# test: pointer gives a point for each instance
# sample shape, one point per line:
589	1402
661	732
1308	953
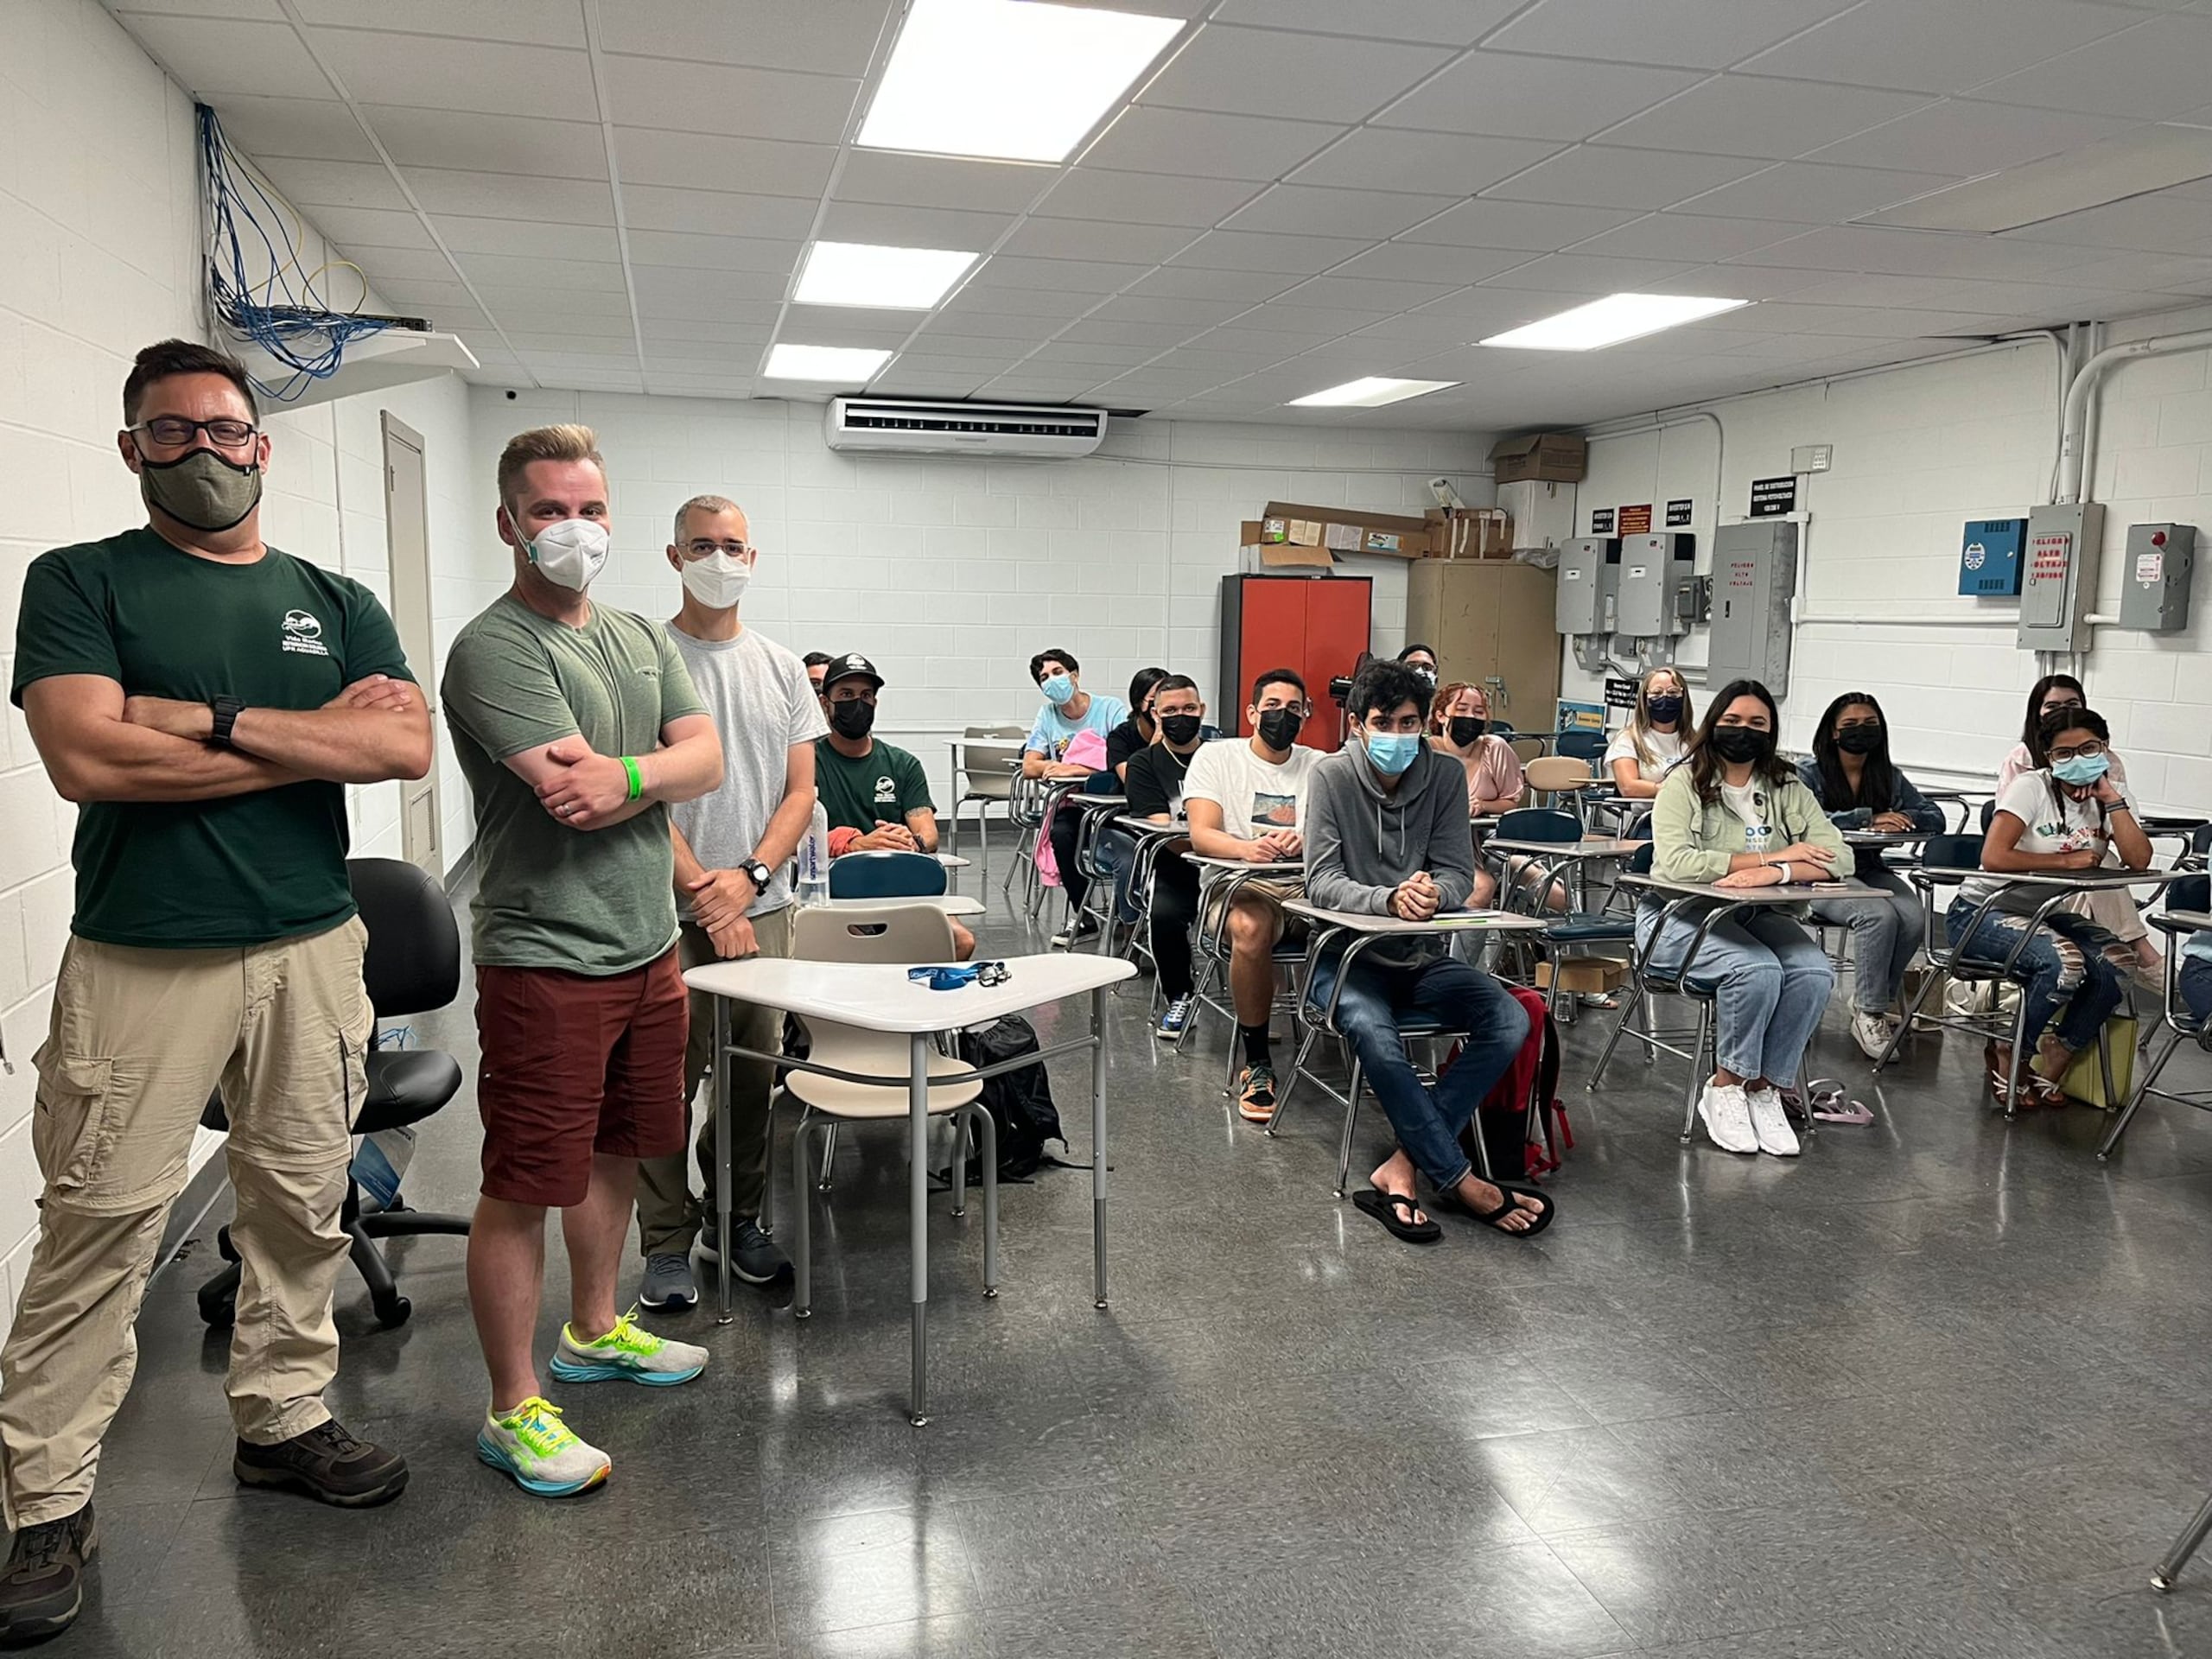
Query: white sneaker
1872	1032
543	1453
1727	1116
1770	1124
629	1352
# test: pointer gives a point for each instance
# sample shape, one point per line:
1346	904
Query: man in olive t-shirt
205	698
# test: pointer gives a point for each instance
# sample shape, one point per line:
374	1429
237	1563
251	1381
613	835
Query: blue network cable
284	313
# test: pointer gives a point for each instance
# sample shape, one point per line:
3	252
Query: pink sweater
1494	772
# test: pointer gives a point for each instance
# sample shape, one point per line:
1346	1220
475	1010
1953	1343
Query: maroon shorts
575	1065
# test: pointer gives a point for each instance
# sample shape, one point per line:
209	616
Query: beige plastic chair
988	755
897	933
1555	775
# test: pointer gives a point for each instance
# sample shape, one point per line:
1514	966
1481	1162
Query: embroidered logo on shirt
303	634
886	789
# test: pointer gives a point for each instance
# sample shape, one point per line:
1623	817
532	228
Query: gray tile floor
1932	1390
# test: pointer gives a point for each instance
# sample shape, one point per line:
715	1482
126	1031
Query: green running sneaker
626	1352
543	1454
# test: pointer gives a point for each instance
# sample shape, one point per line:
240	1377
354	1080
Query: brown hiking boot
43	1584
325	1463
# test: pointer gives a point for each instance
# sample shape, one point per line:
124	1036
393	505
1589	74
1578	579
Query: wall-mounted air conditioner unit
916	426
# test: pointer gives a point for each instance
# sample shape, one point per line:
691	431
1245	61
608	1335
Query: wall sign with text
1601	521
1773	496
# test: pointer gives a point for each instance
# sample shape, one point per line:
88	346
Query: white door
407	526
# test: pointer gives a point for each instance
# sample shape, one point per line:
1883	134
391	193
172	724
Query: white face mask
718	581
568	554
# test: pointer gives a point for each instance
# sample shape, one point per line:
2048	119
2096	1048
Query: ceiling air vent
913	426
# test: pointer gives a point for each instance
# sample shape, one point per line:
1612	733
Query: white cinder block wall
1919	451
100	222
949	573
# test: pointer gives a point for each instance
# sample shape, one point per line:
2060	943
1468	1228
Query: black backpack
1020	1101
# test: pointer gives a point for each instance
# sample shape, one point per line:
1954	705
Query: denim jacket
1923	812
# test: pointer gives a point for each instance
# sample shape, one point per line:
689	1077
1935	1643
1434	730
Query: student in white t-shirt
1645	750
1243	797
2068	815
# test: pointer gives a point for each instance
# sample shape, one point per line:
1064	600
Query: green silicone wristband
637	783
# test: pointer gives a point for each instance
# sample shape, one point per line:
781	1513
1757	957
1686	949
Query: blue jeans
1428	1121
2063	970
1885	935
1770	982
2195	986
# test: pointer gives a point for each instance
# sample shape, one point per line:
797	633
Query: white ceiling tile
1692	34
1813	192
699	160
835	326
1325	211
386	266
896	227
1518	96
713	252
464	140
1969	137
610	324
1738	281
503	270
1078	238
512	304
1538	227
1914	45
1444	22
314	128
990	325
979	295
1480	311
1756	115
2163	223
489	78
740	103
1057	276
335	184
1862	289
265	11
2147	272
1445	163
1593	175
1908	253
1266	250
941	181
507	195
1264	71
1182	283
1162	336
1426	262
716	213
1321	322
1688	236
830	37
372	227
658	334
1091	353
1097	192
1587	273
212	55
1152	307
1366	293
1147	139
2153	72
538	238
422	293
532	22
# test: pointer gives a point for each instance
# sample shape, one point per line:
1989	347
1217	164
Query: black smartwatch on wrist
757	872
228	710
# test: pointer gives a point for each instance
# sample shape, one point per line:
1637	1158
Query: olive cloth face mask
199	489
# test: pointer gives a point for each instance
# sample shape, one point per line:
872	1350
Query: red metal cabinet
1317	625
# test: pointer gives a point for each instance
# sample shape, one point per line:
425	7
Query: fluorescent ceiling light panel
1610	321
891	279
1372	392
1014	80
2081	179
853	366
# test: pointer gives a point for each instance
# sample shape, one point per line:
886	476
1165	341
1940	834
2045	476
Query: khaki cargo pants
139	1040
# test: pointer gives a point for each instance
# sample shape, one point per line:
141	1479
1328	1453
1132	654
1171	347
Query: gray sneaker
756	1260
667	1282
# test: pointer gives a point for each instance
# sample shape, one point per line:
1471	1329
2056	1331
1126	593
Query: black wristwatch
228	710
757	872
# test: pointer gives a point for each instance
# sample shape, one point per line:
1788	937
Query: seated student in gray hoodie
1386	835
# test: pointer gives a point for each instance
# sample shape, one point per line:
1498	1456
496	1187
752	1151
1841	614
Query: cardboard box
1261	553
1470	533
1549	457
1598	974
1352	530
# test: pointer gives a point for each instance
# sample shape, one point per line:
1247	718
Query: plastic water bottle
814	859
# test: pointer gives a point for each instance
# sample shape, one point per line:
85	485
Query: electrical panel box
1989	558
1542	512
2154	589
1589	583
2060	575
1754	579
1654	571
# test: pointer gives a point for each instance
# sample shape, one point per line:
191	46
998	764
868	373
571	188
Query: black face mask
1737	744
1279	727
1664	711
1859	740
1180	729
1465	728
853	718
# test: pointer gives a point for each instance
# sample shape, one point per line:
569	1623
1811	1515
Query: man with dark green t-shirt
203	698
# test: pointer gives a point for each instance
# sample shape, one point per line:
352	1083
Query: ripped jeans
2070	967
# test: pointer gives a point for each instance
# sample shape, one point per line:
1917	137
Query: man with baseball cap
874	793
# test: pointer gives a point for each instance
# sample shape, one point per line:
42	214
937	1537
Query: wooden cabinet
1490	622
1316	625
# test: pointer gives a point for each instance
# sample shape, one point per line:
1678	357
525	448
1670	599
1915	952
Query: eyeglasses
702	548
2085	752
985	974
174	431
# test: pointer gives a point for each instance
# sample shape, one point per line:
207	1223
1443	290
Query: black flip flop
1385	1206
1489	1218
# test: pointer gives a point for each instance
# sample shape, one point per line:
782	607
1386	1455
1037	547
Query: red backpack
1521	1120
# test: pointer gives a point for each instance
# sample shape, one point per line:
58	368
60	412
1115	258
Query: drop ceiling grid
1774	136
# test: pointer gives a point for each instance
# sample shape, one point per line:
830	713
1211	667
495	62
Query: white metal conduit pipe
2073	447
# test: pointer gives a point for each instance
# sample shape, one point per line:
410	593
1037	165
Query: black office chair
412	966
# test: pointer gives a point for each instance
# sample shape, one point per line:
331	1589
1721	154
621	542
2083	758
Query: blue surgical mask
2079	769
1393	752
1058	689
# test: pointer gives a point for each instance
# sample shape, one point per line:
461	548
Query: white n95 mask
569	554
718	581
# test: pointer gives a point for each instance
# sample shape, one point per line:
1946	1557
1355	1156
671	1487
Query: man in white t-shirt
1244	799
